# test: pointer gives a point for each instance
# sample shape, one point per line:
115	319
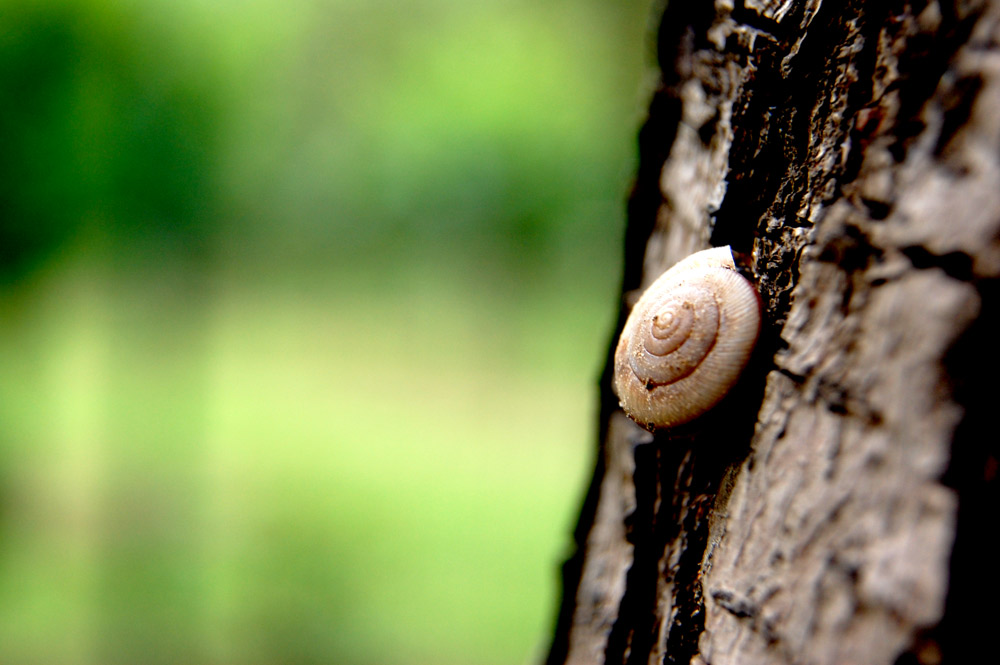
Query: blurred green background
302	305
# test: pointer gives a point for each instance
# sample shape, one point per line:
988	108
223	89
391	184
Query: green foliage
301	309
99	134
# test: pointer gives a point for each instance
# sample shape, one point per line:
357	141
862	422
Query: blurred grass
284	473
302	306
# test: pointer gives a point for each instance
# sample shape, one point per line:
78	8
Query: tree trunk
837	506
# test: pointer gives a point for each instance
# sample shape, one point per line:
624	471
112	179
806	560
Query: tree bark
837	506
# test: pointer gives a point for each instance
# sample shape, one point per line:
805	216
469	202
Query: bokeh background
302	306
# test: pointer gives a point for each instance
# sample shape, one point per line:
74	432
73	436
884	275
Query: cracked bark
836	507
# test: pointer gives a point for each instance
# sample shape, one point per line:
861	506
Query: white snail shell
687	340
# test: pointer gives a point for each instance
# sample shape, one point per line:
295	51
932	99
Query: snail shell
686	341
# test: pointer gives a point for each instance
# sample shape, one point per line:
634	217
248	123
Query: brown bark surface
837	506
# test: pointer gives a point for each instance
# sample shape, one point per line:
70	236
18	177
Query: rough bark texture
837	507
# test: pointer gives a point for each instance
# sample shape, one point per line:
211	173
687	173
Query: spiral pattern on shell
686	341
